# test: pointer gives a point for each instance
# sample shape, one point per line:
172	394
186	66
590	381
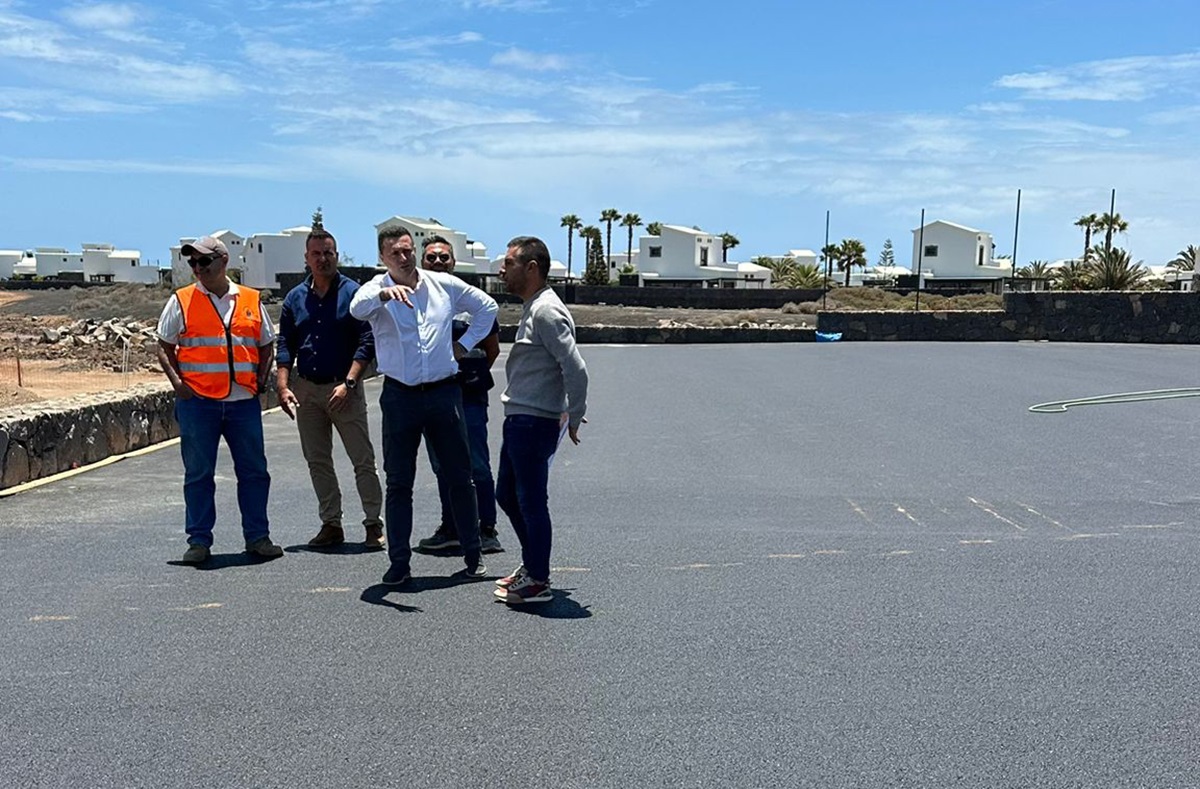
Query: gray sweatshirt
546	375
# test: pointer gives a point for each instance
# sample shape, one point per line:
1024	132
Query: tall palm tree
654	228
608	216
829	255
630	221
850	253
1186	259
1113	269
571	223
1089	223
1111	223
728	242
586	234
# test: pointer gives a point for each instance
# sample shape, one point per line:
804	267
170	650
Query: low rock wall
41	439
1165	317
638	335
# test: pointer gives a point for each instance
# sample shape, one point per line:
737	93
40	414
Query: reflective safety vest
212	357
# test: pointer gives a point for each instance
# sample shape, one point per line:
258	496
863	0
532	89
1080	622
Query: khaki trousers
316	423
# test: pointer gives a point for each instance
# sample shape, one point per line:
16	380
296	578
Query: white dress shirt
414	345
170	325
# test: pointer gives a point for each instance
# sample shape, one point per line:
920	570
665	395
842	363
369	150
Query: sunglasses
437	257
203	260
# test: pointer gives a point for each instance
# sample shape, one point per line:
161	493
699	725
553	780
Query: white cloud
433	43
508	5
529	61
1120	79
101	16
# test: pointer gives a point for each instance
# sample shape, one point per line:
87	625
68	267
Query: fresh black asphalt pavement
819	565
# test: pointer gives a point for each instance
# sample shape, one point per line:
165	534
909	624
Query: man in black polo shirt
322	352
475	379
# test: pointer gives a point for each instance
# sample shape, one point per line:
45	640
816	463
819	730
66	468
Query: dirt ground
59	369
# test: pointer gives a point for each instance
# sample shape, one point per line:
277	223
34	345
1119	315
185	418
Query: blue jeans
438	414
202	424
481	468
521	486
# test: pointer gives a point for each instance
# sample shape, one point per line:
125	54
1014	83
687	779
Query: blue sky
138	123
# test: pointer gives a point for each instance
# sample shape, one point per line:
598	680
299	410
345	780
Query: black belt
389	381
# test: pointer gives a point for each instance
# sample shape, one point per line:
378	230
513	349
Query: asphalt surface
825	565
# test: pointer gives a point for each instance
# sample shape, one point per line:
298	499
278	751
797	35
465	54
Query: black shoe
476	572
489	541
395	576
440	540
195	554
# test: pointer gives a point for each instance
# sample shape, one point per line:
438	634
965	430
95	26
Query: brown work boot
374	536
328	535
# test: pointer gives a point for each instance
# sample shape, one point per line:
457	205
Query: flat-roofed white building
690	257
53	261
266	255
105	263
470	257
9	258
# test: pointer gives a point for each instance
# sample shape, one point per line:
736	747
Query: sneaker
441	539
328	535
195	554
395	576
374	537
510	579
265	548
489	541
525	590
478	571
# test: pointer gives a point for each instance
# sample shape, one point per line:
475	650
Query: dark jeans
202	424
481	468
438	414
525	454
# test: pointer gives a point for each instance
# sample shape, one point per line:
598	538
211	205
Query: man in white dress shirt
411	313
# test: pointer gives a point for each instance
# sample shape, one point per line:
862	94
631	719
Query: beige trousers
316	422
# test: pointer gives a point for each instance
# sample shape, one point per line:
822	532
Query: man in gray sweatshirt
547	389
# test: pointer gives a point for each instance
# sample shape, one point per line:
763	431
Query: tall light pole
920	258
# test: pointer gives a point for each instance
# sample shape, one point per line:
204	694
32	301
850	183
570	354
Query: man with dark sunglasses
322	353
216	345
475	379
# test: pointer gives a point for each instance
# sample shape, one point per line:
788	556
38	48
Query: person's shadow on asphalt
341	549
377	595
222	561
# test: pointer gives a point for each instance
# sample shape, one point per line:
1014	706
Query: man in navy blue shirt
322	352
475	379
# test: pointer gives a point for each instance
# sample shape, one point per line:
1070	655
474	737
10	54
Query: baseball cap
205	246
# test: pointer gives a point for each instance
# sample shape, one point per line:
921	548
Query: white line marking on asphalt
906	514
570	569
976	542
705	566
828	552
1040	515
1091	536
898	553
50	618
1151	525
329	589
200	607
859	510
983	505
785	556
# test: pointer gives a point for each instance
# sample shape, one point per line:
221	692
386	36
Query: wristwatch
351	384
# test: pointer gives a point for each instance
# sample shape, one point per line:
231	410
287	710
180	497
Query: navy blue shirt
318	337
474	373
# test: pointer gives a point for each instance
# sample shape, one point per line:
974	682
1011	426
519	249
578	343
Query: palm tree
1089	223
849	254
728	242
1074	275
571	223
586	233
608	216
805	276
829	255
1186	259
1037	269
654	228
630	221
781	268
1111	223
1113	269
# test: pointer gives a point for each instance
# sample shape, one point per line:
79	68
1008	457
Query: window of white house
655	252
931	250
260	247
703	256
980	256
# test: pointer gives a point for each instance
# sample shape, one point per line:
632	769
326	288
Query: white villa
690	257
255	260
9	260
951	254
95	263
470	257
